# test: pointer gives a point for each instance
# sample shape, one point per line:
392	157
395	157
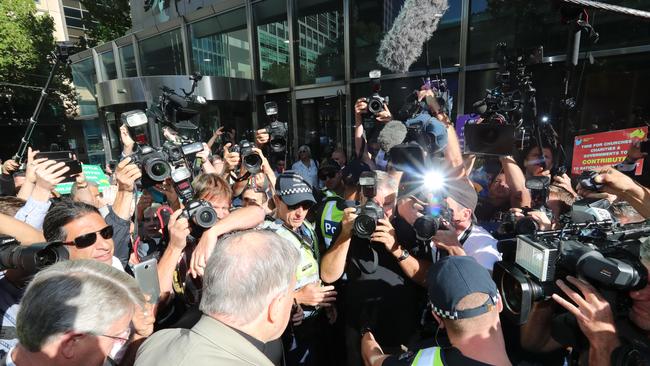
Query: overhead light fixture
207	60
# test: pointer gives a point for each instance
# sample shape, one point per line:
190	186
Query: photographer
376	286
463	237
622	186
360	140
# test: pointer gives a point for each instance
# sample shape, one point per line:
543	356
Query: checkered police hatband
290	191
468	313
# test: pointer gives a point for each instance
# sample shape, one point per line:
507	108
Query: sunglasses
306	205
326	176
86	240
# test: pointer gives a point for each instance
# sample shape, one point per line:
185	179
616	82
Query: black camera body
251	160
369	213
153	164
200	214
375	102
277	130
29	258
586	180
605	254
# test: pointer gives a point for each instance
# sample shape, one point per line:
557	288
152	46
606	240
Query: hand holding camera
385	234
50	173
126	140
179	229
126	174
232	158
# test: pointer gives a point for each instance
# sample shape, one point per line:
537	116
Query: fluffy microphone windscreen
393	133
414	25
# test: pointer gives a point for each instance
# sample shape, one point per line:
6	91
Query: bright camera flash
434	181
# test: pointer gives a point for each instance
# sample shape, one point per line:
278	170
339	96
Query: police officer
466	304
293	198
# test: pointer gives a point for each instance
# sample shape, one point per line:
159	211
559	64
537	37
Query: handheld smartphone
146	274
55	155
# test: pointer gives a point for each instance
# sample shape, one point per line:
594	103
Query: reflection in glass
272	43
320	44
127	59
371	19
525	24
107	66
220	45
162	54
320	125
85	78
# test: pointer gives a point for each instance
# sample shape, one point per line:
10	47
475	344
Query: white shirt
309	174
480	245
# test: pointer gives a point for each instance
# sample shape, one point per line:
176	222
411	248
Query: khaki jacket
209	342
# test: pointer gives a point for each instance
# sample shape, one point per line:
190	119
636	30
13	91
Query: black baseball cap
352	172
293	189
454	277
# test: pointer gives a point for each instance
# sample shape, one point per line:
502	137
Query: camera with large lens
375	101
153	163
369	213
251	160
605	254
277	130
201	214
29	258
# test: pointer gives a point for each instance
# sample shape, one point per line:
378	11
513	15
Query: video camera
369	213
508	111
604	253
277	130
29	258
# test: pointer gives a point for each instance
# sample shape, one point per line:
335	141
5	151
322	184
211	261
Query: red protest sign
598	150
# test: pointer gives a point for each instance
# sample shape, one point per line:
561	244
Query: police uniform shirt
448	356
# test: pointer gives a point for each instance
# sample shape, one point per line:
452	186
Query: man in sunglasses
293	198
83	231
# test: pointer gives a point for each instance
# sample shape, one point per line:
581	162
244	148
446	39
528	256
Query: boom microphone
393	133
414	25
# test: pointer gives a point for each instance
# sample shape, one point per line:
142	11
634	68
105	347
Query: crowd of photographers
392	255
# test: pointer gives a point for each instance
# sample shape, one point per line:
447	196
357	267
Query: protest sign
598	150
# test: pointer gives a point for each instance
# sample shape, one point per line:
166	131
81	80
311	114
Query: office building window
320	45
220	45
272	35
127	60
107	66
162	54
370	20
85	78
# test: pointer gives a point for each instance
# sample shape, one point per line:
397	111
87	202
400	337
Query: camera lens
157	170
253	163
425	227
375	106
364	226
205	217
512	293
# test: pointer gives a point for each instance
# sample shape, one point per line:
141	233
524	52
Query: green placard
93	173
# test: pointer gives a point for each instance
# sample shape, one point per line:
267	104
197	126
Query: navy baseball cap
293	189
435	129
454	277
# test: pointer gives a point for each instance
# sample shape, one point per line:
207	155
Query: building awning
146	89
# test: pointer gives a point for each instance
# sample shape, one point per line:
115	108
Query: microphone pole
20	155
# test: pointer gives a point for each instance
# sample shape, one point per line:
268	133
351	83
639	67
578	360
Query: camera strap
466	235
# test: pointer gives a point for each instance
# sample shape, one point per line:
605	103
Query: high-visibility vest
306	242
428	357
330	221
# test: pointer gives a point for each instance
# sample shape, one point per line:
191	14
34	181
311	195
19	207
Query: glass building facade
312	57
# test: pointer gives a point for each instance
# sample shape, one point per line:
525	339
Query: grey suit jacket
209	342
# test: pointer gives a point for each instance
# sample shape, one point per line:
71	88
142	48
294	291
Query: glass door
320	125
